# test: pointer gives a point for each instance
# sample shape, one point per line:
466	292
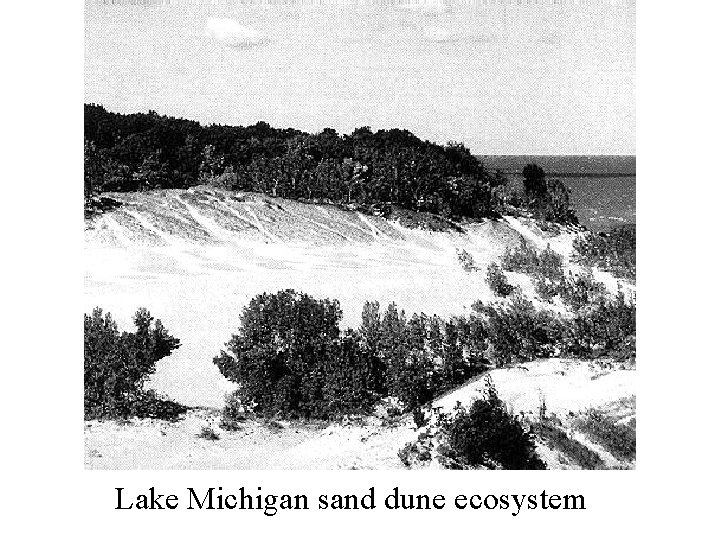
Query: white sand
195	260
366	444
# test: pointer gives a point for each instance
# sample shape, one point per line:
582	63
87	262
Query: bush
546	289
233	413
521	259
117	365
579	291
605	329
517	331
498	282
208	433
466	261
353	378
289	358
488	434
545	264
613	251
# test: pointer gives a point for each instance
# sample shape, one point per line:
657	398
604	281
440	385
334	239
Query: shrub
550	264
498	282
152	406
466	260
579	291
613	251
289	358
233	413
117	365
208	433
517	331
488	434
546	289
353	377
521	259
545	264
605	329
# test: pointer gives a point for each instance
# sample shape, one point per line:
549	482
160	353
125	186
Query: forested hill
372	170
139	151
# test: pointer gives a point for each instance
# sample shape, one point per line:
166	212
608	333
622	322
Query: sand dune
567	387
195	258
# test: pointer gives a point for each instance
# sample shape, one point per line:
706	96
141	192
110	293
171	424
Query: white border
46	490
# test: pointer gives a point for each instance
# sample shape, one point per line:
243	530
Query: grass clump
557	439
232	413
618	438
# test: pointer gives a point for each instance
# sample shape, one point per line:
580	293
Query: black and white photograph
359	234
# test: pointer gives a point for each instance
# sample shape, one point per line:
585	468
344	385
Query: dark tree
281	350
117	365
353	378
93	175
389	167
488	434
535	184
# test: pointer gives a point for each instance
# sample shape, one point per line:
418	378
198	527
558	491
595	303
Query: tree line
290	357
373	170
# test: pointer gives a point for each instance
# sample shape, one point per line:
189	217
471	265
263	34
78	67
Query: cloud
231	33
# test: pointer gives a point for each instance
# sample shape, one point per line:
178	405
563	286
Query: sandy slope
195	258
568	387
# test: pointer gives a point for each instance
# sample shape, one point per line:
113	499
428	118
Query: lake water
602	188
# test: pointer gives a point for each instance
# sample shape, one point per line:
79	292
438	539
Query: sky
528	77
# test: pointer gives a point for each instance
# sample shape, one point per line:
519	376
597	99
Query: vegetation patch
498	281
118	364
557	439
290	358
613	251
487	434
467	261
365	169
517	331
618	438
578	291
545	264
548	199
208	433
